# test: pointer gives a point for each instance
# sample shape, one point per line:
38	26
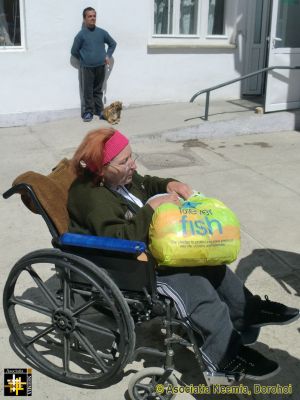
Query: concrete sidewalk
257	175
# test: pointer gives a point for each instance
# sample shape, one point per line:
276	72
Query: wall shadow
239	38
108	71
295	94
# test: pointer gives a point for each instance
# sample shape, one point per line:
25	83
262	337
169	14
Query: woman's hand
165	198
182	189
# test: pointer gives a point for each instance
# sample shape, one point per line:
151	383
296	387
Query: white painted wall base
35	117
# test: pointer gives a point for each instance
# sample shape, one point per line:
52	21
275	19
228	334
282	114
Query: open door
283	86
256	45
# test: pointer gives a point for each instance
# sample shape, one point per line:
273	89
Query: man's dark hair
86	10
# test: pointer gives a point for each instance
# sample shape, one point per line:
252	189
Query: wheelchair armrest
103	243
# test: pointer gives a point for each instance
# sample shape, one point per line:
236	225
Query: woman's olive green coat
96	210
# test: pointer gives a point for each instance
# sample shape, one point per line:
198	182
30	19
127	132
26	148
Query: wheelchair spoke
143	386
95	328
40	309
90	349
84	307
40	335
66	359
67	292
147	394
45	290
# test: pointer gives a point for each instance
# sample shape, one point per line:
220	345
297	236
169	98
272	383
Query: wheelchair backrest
48	195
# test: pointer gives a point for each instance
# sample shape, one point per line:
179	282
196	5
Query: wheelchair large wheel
50	303
147	385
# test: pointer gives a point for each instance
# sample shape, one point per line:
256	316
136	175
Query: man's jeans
91	82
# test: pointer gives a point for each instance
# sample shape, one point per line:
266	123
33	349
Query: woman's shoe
268	312
250	336
250	364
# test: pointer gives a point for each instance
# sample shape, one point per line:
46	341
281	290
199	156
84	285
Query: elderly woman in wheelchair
100	279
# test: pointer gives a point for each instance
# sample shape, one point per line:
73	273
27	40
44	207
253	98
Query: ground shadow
48	348
53	351
149	334
202	117
247	103
284	266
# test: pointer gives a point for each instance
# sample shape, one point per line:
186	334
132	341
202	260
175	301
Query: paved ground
257	175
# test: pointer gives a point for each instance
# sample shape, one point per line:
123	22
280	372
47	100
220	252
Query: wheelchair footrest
147	350
218	378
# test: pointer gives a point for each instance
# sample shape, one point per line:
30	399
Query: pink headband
113	146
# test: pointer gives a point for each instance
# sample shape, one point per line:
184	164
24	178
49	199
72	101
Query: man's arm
111	43
75	50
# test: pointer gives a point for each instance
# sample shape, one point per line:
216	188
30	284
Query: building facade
167	50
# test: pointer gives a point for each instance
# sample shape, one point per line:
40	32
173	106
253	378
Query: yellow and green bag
201	231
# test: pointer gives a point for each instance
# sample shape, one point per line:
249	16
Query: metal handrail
208	90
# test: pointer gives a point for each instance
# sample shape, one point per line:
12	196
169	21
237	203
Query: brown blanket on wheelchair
52	192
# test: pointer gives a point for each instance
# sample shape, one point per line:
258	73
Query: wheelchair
73	309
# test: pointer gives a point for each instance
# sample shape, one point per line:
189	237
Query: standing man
89	48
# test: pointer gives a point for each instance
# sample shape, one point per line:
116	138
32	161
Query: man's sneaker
87	117
269	312
251	365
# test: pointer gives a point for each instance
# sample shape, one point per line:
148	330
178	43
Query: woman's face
119	170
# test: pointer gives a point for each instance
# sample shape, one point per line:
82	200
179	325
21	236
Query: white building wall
40	83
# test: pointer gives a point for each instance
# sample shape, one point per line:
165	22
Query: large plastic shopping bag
201	231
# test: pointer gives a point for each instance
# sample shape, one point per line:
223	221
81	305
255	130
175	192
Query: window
10	24
175	17
216	17
288	24
189	17
163	11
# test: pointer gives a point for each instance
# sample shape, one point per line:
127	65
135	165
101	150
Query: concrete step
175	122
157	118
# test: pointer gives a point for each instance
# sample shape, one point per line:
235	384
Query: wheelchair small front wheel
146	384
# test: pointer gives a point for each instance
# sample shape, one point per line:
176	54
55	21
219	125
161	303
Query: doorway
256	46
283	85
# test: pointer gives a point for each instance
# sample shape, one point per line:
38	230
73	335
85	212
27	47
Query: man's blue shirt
89	46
